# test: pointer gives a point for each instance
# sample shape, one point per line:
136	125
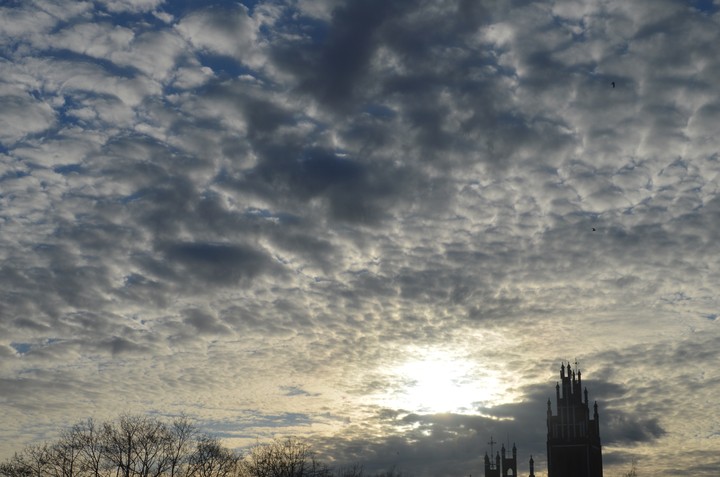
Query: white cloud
153	53
192	77
221	31
94	39
21	115
27	24
135	6
18	23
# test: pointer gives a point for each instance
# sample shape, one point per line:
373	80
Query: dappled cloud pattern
254	212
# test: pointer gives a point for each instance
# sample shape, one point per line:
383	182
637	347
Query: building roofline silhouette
573	435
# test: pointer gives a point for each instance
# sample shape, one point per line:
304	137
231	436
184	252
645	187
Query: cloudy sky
376	225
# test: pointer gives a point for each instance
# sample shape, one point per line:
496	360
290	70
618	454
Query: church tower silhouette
504	466
573	438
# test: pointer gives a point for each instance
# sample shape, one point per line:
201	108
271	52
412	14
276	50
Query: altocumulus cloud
262	213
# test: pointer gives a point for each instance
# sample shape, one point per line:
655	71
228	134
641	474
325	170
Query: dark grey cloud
333	61
619	430
218	264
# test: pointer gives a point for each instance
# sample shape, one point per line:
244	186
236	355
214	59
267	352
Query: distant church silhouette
504	466
573	436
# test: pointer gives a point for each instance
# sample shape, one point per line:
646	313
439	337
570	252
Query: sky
378	226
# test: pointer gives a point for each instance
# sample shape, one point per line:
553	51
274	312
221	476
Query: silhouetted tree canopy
140	446
132	446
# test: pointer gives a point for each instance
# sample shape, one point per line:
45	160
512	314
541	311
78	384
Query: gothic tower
503	466
573	439
509	464
492	469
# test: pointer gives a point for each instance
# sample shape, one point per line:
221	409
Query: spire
532	467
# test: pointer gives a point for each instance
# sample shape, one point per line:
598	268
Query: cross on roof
492	443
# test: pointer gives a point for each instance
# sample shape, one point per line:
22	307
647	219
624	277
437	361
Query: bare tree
8	469
633	469
284	458
15	467
65	457
354	470
210	459
152	443
34	461
119	443
179	447
91	448
137	446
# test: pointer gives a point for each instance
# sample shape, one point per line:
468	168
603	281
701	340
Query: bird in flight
613	83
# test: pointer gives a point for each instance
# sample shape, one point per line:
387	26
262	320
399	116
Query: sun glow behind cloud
440	381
